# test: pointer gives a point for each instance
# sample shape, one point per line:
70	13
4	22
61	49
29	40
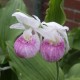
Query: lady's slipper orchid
55	42
28	44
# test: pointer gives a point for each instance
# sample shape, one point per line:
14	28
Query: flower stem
57	68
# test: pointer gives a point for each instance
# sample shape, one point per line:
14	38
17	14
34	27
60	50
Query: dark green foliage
55	12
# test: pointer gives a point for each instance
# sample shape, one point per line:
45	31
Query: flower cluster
48	38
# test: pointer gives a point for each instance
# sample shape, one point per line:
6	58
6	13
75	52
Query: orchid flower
55	41
28	44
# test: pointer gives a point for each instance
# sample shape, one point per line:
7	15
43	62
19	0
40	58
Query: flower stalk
57	69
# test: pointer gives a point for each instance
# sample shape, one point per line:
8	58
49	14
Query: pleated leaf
74	41
34	68
55	12
73	78
6	33
74	71
6	20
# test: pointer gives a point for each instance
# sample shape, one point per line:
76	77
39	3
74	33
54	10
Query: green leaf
34	68
2	58
73	78
71	58
74	41
74	71
55	12
6	20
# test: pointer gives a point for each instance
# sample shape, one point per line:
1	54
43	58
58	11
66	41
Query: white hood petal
54	25
17	26
27	20
49	34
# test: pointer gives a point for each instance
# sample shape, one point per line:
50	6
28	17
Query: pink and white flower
55	42
28	44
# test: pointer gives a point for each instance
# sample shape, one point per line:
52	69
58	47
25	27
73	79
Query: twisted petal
27	20
27	49
52	52
17	26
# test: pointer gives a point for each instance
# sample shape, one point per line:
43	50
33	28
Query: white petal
26	20
66	28
27	33
43	25
17	26
54	25
36	18
48	34
42	32
64	35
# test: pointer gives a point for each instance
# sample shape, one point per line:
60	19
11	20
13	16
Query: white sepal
36	18
54	25
17	26
27	20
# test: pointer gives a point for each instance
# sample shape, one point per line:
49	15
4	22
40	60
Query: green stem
57	68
